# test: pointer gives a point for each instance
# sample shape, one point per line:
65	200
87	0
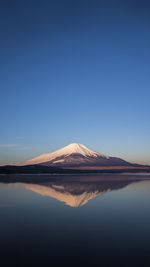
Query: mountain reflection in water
40	227
75	194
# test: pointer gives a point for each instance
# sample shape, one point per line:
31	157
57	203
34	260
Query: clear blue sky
75	71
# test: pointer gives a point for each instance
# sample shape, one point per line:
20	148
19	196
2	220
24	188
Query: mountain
76	156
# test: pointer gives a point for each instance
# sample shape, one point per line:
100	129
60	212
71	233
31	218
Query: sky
74	71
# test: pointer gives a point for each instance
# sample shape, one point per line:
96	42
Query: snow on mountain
76	156
65	152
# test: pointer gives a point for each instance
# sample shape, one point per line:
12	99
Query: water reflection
75	194
113	230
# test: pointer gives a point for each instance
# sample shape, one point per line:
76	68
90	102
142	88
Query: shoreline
40	178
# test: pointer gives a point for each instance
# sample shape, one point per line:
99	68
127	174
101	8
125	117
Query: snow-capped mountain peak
70	149
79	149
75	156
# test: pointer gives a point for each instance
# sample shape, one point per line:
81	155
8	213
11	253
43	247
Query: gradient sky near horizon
75	71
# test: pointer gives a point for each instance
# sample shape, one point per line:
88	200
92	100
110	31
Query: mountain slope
76	156
64	152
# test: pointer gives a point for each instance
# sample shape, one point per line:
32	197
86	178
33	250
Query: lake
75	221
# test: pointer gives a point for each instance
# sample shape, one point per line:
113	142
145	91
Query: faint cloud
15	146
8	145
23	147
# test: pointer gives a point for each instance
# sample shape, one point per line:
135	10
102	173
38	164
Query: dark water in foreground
83	223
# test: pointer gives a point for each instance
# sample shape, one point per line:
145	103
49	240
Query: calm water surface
75	223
